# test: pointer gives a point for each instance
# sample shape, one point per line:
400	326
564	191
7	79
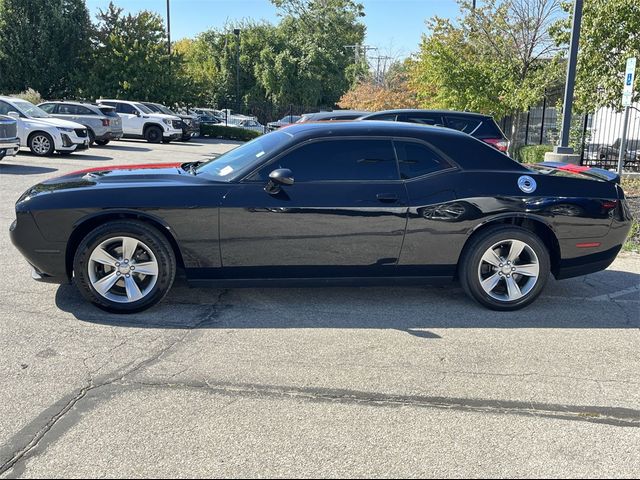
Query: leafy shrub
30	95
533	153
228	133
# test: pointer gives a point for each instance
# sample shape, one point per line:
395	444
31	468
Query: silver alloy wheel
509	270
41	144
123	269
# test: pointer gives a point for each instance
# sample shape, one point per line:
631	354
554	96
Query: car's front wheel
153	134
504	268
124	266
41	144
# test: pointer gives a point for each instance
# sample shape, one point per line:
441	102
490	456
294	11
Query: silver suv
102	121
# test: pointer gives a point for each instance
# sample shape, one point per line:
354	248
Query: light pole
236	32
567	105
168	29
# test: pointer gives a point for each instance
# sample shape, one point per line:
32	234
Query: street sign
629	75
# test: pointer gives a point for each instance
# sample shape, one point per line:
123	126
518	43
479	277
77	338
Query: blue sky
394	26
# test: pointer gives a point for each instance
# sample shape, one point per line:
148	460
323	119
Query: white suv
138	121
41	132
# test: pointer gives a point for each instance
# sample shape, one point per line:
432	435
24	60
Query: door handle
387	197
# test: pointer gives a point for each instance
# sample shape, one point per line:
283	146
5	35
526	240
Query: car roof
367	128
419	110
71	102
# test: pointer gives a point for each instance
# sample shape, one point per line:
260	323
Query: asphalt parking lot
342	382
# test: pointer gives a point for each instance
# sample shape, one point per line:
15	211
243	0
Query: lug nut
500	265
133	268
126	261
513	269
127	275
117	264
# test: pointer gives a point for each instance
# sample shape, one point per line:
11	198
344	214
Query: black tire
471	259
151	238
166	140
92	137
153	134
65	153
38	144
102	142
186	138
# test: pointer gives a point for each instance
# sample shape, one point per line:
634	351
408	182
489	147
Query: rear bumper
117	135
591	263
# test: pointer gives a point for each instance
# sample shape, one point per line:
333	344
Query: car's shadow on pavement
584	302
11	169
123	148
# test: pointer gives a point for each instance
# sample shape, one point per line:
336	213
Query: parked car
345	203
190	123
9	141
483	127
139	121
102	122
207	116
331	116
248	123
283	122
608	155
41	132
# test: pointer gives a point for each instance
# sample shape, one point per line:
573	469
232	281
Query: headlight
167	121
68	130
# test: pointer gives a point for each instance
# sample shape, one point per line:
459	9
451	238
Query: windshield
242	158
164	109
29	109
143	108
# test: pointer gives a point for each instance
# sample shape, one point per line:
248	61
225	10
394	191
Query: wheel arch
147	125
534	224
83	227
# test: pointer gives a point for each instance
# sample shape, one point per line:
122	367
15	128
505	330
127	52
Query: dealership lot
407	381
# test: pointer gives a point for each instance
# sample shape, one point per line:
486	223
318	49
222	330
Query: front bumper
70	141
47	259
9	148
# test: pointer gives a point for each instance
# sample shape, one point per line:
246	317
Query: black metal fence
596	136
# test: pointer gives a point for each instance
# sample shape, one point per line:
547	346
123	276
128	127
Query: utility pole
380	75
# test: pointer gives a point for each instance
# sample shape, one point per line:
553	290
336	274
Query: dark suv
483	127
190	123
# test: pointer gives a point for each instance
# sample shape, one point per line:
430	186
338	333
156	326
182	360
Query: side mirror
278	178
138	114
283	176
13	114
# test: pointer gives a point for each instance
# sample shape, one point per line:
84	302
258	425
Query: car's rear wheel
41	144
153	134
185	138
124	266
102	142
92	137
505	267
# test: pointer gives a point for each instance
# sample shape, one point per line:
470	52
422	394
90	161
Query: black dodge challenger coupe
347	203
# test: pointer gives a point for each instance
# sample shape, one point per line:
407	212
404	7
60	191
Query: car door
345	213
131	118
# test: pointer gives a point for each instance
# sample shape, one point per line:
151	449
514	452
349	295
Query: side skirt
319	282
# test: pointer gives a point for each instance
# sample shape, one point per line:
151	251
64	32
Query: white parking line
626	291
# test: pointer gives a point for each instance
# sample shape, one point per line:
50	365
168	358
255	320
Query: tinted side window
416	159
338	160
423	118
125	108
84	110
389	117
48	107
464	124
66	109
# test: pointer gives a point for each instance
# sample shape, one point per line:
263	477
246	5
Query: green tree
608	36
44	44
496	59
130	59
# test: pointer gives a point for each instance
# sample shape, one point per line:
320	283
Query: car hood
120	176
53	122
161	116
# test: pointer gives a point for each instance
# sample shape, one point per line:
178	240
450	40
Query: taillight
497	143
105	122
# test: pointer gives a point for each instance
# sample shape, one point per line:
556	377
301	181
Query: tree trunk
517	138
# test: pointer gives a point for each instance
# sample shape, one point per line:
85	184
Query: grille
8	129
177	124
81	132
